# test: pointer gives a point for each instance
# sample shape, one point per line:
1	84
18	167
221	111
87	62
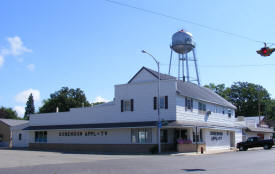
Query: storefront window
40	136
164	136
199	137
141	135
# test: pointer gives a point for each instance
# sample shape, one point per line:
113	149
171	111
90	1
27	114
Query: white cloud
23	96
1	61
16	48
100	99
20	110
31	67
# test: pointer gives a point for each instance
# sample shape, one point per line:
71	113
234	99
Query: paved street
28	162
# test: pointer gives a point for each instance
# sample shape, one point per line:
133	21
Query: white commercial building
192	116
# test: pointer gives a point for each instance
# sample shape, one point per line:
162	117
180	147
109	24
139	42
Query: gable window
163	104
127	105
20	137
229	113
202	108
188	103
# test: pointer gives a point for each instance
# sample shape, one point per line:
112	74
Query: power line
228	66
186	21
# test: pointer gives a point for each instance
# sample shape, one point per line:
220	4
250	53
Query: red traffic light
265	51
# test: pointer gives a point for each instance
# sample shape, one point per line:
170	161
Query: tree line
250	100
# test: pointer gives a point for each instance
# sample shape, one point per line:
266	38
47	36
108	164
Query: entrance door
232	139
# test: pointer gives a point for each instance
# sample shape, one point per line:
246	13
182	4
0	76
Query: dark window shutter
166	102
191	104
132	105
185	103
155	103
121	105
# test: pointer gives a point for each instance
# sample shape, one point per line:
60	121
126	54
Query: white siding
214	117
142	93
144	76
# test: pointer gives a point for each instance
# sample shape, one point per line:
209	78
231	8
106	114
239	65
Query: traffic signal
266	51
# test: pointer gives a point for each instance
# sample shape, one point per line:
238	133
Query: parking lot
27	162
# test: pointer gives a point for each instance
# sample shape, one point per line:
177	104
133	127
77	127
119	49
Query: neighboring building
8	138
255	126
193	114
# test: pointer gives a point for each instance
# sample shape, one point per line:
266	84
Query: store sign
84	133
216	136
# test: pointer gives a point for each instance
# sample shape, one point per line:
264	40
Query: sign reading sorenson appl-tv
216	136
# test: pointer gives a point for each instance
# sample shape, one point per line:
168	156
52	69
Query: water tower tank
182	42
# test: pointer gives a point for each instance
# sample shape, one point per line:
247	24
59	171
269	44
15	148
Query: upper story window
229	112
163	103
202	108
223	111
188	104
127	105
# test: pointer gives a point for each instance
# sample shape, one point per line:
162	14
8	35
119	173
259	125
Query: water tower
184	45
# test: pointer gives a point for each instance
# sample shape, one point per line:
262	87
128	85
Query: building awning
260	129
94	126
202	124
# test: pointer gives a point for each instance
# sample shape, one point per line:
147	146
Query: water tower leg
170	61
187	67
182	59
179	68
196	66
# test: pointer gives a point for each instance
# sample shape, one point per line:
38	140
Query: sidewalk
205	153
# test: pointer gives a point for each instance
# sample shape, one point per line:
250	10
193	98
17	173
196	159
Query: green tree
29	109
64	99
8	113
247	97
220	89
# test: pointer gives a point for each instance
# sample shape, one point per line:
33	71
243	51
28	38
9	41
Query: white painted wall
217	145
238	136
142	93
16	130
114	136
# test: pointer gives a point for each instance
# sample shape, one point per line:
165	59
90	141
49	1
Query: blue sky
94	44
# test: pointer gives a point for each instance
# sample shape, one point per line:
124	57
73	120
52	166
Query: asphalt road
31	162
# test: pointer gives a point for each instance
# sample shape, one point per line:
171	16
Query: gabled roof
13	122
192	90
154	73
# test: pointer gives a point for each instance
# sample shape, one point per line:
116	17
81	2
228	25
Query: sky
94	44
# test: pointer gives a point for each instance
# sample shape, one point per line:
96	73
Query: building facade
12	133
191	115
